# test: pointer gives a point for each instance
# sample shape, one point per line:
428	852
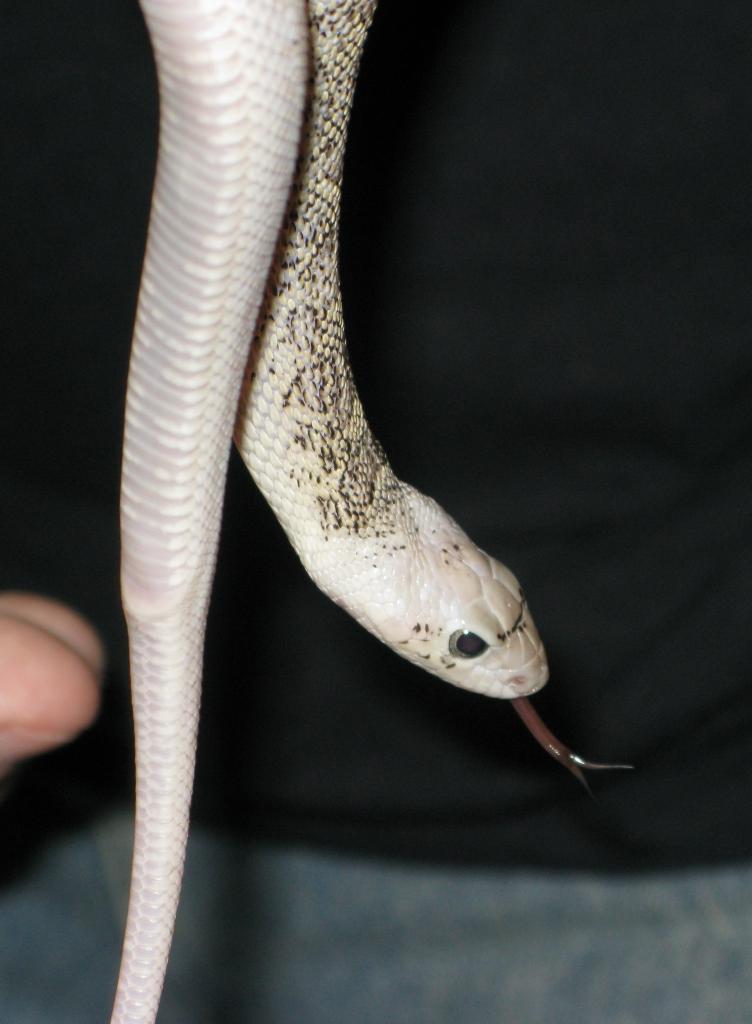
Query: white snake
240	190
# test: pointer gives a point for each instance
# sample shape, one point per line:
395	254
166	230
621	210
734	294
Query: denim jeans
277	935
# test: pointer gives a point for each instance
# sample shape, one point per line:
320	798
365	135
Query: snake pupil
467	644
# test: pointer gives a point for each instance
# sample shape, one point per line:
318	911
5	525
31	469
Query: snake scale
242	248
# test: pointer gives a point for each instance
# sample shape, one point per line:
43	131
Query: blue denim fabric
275	936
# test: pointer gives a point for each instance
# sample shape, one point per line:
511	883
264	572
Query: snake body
386	553
246	183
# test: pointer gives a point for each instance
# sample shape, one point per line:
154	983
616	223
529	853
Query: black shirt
546	258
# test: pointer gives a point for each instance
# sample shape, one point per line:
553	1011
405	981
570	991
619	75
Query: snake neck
302	431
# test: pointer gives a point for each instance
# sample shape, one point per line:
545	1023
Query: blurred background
545	261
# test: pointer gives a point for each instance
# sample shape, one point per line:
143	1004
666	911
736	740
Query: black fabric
546	260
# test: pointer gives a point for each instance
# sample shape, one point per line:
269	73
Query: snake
239	334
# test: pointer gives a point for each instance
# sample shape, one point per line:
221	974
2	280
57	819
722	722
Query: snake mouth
525	680
525	688
553	746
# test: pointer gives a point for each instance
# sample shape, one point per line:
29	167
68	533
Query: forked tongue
558	750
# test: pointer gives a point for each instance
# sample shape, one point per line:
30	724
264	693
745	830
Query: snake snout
529	679
510	679
521	658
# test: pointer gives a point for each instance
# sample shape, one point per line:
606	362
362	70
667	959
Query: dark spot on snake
519	624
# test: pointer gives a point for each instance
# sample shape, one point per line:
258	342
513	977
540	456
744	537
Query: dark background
546	260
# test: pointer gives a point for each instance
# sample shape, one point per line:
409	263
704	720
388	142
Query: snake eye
464	644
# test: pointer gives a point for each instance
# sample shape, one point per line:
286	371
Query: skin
51	663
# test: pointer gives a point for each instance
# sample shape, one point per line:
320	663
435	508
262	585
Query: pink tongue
558	750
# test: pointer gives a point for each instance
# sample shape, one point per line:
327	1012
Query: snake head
440	602
468	623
